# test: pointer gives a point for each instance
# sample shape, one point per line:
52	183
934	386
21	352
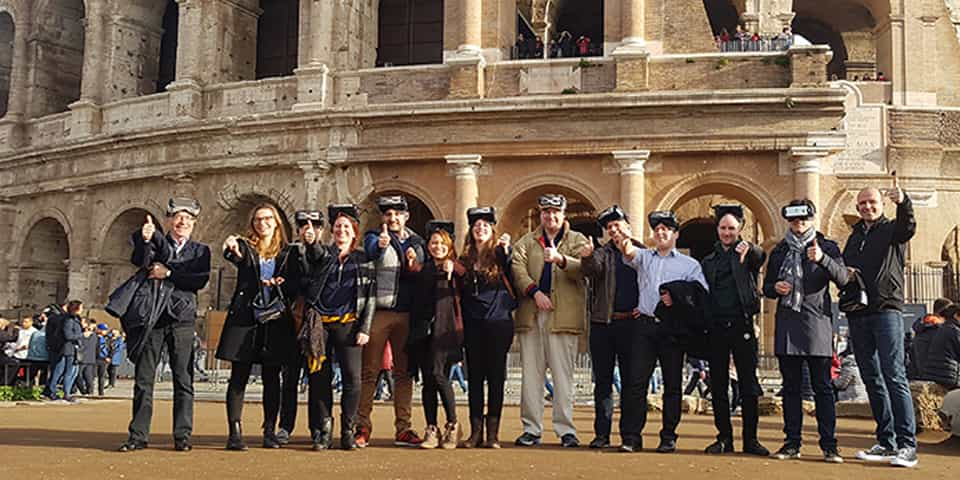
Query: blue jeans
64	369
456	373
878	345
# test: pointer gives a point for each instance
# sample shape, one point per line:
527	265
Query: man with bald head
877	248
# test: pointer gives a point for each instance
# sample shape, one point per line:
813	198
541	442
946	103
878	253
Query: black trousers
487	344
435	367
791	369
8	370
342	343
85	379
239	377
101	375
651	347
742	345
112	372
178	340
289	393
611	344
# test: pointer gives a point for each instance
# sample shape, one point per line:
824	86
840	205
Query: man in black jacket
877	247
164	312
731	271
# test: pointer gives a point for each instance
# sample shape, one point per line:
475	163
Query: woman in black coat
261	259
434	343
799	273
338	290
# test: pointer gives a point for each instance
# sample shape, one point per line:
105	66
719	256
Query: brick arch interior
56	49
7	29
43	263
115	250
420	212
521	215
698	229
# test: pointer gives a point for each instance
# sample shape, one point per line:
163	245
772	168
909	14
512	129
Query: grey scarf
791	271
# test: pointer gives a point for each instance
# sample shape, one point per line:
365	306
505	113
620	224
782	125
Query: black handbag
265	311
853	295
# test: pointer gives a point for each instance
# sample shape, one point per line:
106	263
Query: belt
622	316
648	318
347	318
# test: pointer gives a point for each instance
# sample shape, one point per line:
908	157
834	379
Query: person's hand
504	241
4	323
782	288
666	298
814	253
384	239
551	255
232	245
411	257
626	247
742	249
308	233
148	229
158	271
896	194
543	302
447	267
587	249
362	339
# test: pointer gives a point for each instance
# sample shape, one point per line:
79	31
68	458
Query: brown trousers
393	327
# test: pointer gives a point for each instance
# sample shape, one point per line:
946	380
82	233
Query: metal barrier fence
772	44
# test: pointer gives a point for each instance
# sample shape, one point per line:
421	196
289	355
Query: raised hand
626	247
384	240
504	241
148	229
742	248
411	257
232	245
814	253
550	253
448	268
587	249
308	233
896	193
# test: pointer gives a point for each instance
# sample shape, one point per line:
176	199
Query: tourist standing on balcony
435	342
877	248
658	339
583	45
176	267
549	321
488	301
390	248
731	271
799	273
249	338
339	293
613	321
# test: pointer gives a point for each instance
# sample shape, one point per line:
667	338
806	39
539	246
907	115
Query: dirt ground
77	442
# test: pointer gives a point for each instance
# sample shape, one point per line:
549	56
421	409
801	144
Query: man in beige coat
549	319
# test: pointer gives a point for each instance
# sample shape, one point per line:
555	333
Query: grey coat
849	385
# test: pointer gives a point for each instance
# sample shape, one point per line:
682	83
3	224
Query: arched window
57	56
6	59
578	30
410	32
168	45
278	31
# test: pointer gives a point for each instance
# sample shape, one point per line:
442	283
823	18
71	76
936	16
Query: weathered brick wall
395	85
686	28
722	73
58	60
947	62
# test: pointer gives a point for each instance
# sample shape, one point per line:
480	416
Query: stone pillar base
314	87
85	118
11	135
186	99
633	69
808	65
466	75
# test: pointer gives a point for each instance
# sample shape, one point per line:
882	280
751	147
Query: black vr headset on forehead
392	202
664	217
303	217
349	210
798	209
434	226
481	213
612	214
719	211
182	204
551	200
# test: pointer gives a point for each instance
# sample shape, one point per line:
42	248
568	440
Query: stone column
186	97
470	25
11	125
79	268
85	117
632	24
806	174
315	188
466	62
8	217
314	83
631	56
632	185
464	169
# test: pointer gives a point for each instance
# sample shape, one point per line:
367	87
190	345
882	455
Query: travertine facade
95	135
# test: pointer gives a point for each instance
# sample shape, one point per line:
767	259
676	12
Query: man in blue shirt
655	267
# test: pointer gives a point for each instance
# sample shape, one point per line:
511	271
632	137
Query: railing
770	44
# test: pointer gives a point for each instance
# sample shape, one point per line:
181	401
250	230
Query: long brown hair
482	258
277	242
447	240
354	224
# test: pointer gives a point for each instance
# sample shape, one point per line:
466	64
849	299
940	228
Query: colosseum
111	106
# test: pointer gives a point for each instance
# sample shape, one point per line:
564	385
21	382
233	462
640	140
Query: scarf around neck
791	271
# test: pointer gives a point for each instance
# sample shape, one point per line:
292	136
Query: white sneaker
906	457
877	453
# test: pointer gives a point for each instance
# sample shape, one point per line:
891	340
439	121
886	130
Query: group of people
60	348
934	346
563	45
336	293
742	40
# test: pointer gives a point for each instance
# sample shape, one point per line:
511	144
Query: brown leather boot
493	432
475	440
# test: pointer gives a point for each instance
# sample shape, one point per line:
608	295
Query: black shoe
283	436
182	445
569	441
270	439
667	446
235	440
631	447
131	445
348	441
527	440
787	452
832	455
600	442
718	447
753	447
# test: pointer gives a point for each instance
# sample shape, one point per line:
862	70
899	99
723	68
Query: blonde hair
277	242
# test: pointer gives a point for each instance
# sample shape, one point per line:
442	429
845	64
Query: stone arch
278	36
407	188
115	250
423	207
698	230
410	32
847	26
842	208
42	263
56	49
517	207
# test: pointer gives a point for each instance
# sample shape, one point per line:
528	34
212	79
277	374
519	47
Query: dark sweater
485	300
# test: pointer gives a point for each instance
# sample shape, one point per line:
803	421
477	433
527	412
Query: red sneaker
362	437
407	438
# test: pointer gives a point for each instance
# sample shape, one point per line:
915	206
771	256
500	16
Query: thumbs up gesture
814	253
550	253
148	229
742	248
411	257
384	240
587	249
896	193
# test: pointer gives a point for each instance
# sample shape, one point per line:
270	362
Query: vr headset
805	210
434	226
719	211
488	214
667	218
392	202
313	217
182	204
611	214
551	200
348	210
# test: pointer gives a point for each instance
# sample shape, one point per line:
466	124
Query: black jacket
686	315
175	296
880	253
54	333
808	332
72	334
600	269
243	339
920	349
744	274
88	349
323	261
943	359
